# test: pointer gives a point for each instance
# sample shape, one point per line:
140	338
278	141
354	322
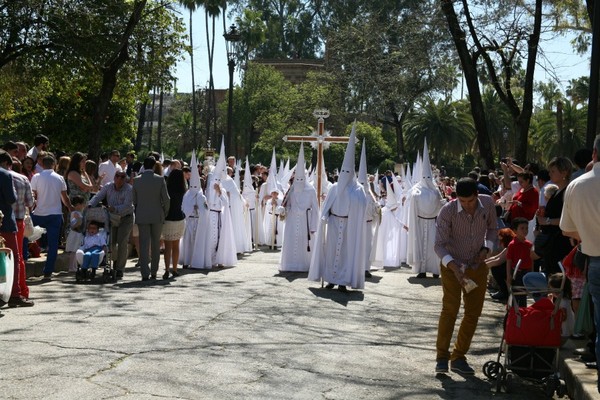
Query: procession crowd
473	232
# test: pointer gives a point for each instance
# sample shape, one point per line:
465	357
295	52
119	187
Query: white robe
340	245
194	243
425	204
301	218
220	237
260	214
243	243
387	248
251	215
372	220
273	225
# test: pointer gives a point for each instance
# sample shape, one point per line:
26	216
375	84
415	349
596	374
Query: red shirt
518	250
529	200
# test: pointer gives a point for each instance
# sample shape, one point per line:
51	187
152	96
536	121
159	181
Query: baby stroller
530	343
102	217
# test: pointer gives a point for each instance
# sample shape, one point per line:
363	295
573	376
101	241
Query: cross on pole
320	139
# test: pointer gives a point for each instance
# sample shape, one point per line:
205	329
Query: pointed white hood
272	182
347	173
216	175
300	180
195	177
426	171
248	187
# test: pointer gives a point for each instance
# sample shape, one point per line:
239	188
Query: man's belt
426	217
339	216
217	211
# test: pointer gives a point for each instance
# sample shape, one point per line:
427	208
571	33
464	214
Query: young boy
93	249
519	249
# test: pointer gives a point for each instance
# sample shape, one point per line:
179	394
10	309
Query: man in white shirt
107	169
580	219
49	189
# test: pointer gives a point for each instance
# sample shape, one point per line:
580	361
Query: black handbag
580	259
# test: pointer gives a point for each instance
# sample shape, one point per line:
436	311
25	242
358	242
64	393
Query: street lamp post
231	38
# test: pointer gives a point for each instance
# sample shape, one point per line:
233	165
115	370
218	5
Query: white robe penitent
194	243
387	247
425	204
221	239
243	243
340	245
301	218
273	225
251	214
372	216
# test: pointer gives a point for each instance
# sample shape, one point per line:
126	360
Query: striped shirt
460	235
24	194
120	199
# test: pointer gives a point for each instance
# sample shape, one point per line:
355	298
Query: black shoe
119	273
368	274
47	274
421	275
153	277
591	365
329	286
342	289
166	275
175	274
145	278
19	302
435	276
500	296
588	357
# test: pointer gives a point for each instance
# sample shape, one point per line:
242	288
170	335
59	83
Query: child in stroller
91	253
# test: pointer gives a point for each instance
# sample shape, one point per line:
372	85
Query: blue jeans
594	288
52	224
91	258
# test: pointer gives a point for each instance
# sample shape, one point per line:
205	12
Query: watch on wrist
547	221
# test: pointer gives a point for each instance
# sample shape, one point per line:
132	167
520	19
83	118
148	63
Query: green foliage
54	92
449	132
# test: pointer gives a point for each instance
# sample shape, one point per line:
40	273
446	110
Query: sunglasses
121	176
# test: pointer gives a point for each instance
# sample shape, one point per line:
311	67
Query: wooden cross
318	139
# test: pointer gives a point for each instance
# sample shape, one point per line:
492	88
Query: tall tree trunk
524	118
212	81
194	107
209	103
159	128
140	128
469	66
109	82
151	122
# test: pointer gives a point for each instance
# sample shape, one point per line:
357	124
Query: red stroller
530	343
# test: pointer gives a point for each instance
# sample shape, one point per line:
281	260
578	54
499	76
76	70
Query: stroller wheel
508	383
561	391
493	369
551	385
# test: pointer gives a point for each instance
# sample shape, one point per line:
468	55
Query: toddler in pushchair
531	340
99	236
91	253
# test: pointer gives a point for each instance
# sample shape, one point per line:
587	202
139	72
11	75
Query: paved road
240	333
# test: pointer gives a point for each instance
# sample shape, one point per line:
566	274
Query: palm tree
546	136
191	5
212	9
449	131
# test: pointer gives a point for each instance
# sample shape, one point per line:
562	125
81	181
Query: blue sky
559	54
